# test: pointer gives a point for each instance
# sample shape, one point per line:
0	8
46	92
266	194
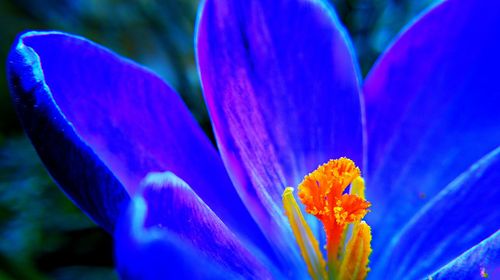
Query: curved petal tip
166	217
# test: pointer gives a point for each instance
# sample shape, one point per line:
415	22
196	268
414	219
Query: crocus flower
284	95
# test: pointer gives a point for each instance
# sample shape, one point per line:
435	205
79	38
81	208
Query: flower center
323	193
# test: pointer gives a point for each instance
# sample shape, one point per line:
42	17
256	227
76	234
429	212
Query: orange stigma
323	193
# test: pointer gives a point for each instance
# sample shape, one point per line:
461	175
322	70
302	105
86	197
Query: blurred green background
42	234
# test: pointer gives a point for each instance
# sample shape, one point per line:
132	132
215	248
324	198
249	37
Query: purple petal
460	216
167	206
281	86
480	262
431	108
100	122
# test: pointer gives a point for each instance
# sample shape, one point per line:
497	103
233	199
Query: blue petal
168	207
431	109
158	254
460	216
100	123
281	86
481	261
74	165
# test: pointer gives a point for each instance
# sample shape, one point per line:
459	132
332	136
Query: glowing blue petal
480	262
168	222
460	216
100	123
159	254
432	110
281	87
75	166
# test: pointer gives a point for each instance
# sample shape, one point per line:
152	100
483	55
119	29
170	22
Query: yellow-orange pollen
323	192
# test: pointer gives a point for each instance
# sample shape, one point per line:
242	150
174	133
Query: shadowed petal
75	166
281	86
480	262
460	216
431	109
100	123
167	206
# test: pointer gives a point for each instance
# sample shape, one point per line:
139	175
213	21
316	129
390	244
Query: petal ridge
459	217
480	262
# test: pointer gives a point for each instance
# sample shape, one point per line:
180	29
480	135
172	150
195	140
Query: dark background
42	234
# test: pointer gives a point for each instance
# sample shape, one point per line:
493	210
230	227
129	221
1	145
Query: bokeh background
42	234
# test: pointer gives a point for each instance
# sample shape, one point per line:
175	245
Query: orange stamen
322	192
